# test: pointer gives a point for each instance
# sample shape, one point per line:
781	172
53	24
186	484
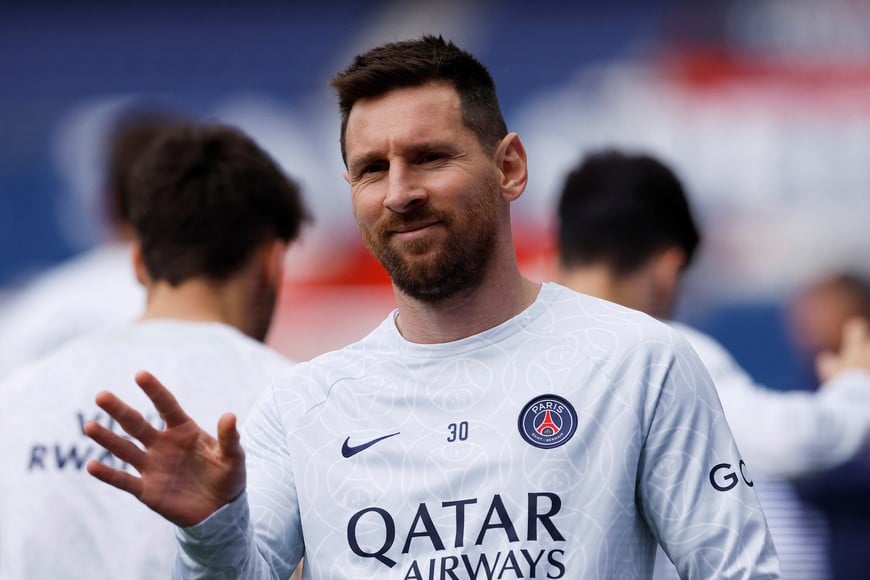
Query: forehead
431	111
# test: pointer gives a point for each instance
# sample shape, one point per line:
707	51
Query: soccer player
490	427
626	234
213	215
821	313
96	288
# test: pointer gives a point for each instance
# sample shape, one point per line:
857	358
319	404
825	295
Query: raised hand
854	351
185	474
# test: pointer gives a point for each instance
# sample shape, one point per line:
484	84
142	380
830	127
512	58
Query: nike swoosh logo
348	450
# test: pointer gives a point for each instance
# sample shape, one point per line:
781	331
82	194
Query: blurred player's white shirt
785	435
56	520
563	443
89	292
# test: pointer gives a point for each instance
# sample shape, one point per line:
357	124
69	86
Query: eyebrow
364	160
434	145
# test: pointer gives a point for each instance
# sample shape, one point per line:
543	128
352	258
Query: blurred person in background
212	216
96	288
626	234
821	315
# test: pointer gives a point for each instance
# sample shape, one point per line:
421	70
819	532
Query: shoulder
598	320
707	347
713	354
309	383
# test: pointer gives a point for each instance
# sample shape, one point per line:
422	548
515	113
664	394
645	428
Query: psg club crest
547	421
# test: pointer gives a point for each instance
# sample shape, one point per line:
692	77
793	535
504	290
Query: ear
510	158
667	270
273	255
139	268
345	175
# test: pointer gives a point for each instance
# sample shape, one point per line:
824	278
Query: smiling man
491	426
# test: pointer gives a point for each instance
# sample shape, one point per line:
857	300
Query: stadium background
763	108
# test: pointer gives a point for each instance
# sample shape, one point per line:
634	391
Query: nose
404	192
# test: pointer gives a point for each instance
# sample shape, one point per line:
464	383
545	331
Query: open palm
185	474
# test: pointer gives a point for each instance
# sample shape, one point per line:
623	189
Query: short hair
413	63
204	197
130	136
622	209
852	287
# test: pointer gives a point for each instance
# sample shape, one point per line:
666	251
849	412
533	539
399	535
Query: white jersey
784	435
788	434
563	443
56	520
92	291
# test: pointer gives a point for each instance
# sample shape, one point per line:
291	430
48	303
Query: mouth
413	230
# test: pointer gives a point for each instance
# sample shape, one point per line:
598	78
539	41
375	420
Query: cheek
367	206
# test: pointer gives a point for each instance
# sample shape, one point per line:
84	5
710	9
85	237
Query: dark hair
413	63
622	209
131	134
853	287
204	197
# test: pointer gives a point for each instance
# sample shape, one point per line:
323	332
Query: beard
430	270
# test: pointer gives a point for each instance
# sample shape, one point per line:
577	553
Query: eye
373	167
431	157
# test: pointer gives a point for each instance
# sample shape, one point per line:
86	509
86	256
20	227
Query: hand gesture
185	474
854	352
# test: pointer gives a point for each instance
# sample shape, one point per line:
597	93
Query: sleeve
259	535
695	492
789	434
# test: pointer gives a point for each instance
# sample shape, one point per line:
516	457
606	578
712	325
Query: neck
634	291
594	281
502	296
197	300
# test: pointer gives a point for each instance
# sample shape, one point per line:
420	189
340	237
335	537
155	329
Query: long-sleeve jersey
788	434
565	442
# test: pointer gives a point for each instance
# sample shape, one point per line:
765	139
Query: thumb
827	365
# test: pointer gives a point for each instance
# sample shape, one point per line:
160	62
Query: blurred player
819	313
97	288
213	216
490	426
626	234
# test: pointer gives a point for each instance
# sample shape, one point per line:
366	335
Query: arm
259	535
694	491
791	434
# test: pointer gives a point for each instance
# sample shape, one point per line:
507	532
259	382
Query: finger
120	447
115	477
229	439
127	417
827	365
163	400
855	332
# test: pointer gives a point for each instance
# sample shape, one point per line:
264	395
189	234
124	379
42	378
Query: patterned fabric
388	459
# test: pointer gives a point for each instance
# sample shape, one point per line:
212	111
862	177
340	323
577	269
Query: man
213	215
818	314
626	234
97	288
490	426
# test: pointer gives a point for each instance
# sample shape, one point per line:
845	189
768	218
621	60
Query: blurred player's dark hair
204	197
413	63
133	131
622	209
